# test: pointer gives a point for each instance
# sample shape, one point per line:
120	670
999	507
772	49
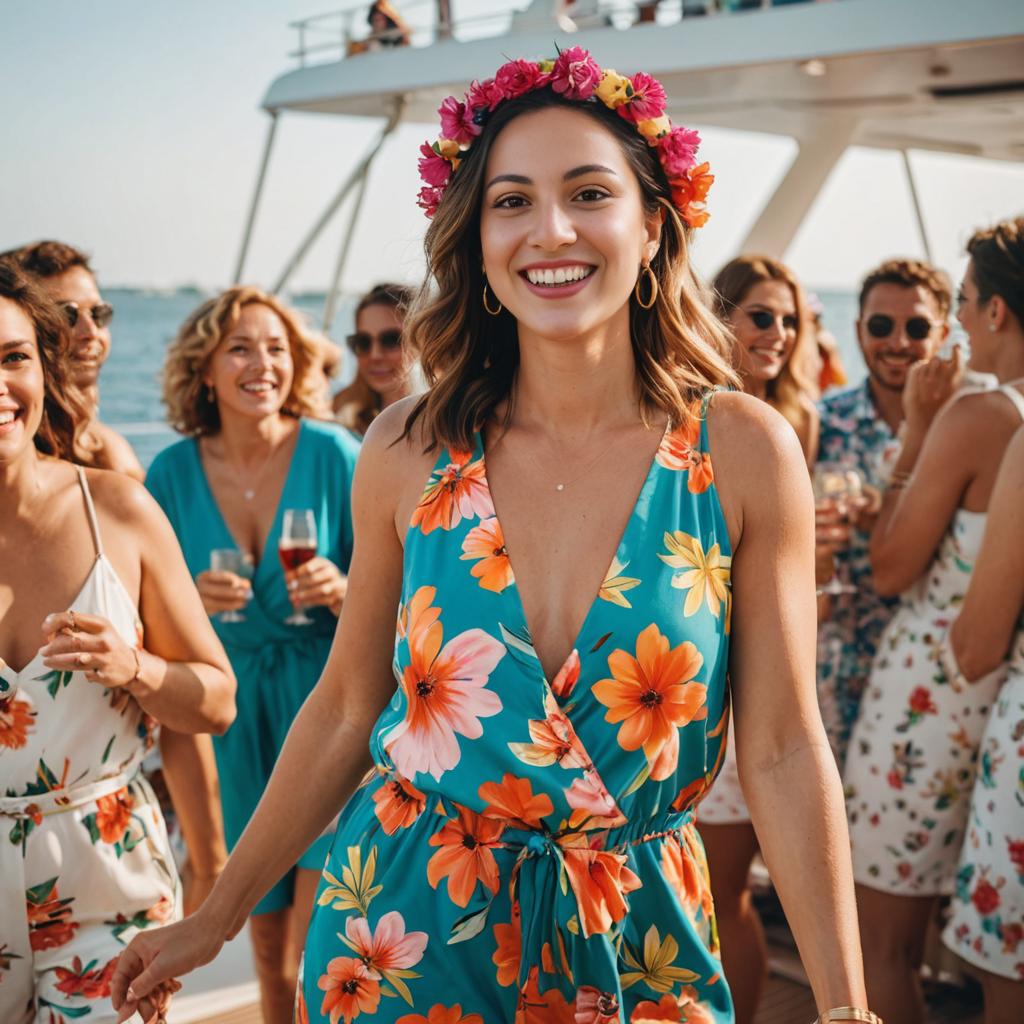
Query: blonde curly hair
190	408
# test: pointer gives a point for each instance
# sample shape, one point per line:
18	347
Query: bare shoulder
115	451
122	498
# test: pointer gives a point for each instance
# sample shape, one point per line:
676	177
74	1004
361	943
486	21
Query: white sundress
912	757
84	857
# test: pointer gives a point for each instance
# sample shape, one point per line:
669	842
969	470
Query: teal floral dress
525	849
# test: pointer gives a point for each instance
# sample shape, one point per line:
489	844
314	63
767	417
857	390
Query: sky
134	131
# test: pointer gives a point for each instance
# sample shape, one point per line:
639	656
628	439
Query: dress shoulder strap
705	404
90	510
1014	396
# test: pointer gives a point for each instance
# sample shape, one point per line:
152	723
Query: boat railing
346	31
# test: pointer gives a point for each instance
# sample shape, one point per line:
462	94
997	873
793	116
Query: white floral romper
84	858
912	757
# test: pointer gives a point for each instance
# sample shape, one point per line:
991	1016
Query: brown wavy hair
64	410
910	274
789	392
190	409
470	359
997	264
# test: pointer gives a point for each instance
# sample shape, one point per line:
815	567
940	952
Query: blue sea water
145	322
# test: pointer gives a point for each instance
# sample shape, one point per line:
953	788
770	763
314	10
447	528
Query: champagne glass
835	489
238	562
297	546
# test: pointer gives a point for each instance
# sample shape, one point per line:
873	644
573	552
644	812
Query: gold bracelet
138	670
899	478
840	1013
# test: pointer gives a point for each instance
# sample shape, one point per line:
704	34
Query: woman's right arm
326	753
991	611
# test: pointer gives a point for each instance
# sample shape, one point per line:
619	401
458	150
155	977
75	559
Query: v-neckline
275	523
517	598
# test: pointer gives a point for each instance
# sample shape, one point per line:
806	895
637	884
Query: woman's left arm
785	763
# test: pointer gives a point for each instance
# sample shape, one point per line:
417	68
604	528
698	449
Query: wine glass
837	489
238	562
297	546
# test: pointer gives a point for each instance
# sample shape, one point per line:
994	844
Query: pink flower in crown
430	197
575	74
457	122
648	99
484	95
677	151
434	169
518	77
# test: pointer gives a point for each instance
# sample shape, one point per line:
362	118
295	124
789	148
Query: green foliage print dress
525	849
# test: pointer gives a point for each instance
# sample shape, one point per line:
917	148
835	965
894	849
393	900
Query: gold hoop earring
646	271
493	312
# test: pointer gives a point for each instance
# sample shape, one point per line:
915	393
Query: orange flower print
456	492
653	695
445	691
600	881
596	1007
389	947
49	917
113	815
513	800
439	1014
485	544
465	857
162	911
592	804
536	1007
90	982
679	451
350	988
568	676
682	1009
509	952
399	804
301	1010
554	741
685	869
16	722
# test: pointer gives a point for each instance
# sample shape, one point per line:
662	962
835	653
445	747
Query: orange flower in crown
574	75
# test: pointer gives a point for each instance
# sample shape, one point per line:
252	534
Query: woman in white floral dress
911	762
987	923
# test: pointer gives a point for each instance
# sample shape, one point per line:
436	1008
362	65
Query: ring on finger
82	658
71	621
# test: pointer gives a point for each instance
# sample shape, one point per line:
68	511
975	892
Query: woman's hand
930	385
75	642
154	958
317	582
223	591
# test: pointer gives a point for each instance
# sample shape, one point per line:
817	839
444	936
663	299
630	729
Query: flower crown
575	75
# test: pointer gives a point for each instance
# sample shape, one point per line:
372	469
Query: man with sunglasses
65	275
903	316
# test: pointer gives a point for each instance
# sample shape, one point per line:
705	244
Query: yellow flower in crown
614	89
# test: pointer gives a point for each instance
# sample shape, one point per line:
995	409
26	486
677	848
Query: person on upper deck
66	276
242	381
911	761
561	549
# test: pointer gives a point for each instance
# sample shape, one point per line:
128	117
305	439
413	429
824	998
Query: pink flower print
389	947
592	804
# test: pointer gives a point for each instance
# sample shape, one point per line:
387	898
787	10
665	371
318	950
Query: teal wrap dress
524	849
276	665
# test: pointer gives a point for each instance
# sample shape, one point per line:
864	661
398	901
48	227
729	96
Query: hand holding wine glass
228	583
838	493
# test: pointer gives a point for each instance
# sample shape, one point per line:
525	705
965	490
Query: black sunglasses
102	313
762	319
881	326
361	342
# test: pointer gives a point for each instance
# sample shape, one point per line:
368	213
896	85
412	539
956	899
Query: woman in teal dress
560	550
250	456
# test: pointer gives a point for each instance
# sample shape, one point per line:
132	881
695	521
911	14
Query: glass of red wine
296	547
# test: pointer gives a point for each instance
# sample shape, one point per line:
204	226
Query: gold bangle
138	670
840	1013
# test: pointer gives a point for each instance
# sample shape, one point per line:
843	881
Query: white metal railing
338	33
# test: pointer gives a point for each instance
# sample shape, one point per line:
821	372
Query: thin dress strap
705	404
90	509
1014	396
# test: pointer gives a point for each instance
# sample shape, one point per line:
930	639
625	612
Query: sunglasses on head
762	319
881	326
362	341
102	313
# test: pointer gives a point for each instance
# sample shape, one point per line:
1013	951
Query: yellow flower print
707	577
356	889
655	968
615	585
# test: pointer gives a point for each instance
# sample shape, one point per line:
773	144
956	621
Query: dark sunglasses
102	313
762	319
361	342
881	326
